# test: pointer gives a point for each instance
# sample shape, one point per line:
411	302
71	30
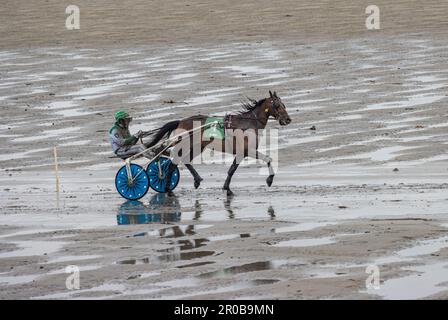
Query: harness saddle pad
214	130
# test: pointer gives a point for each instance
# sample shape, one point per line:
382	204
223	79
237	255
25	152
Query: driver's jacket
121	138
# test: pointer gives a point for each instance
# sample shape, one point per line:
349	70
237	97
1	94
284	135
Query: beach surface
361	172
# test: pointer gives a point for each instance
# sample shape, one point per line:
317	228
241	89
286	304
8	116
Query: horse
254	116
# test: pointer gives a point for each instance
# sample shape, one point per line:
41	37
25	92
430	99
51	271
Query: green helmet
121	114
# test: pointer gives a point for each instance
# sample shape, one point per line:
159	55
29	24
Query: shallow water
33	248
305	242
425	281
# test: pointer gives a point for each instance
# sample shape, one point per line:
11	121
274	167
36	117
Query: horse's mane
251	104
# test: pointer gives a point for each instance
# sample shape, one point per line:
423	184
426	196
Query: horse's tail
161	132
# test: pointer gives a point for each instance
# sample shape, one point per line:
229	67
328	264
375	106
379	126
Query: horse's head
277	109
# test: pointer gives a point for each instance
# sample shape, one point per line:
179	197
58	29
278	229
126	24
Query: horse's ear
275	94
270	93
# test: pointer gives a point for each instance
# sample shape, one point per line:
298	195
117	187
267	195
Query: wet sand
376	99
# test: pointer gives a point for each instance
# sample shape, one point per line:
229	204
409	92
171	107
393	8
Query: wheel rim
139	187
155	182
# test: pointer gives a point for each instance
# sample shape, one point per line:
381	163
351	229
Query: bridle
266	110
274	107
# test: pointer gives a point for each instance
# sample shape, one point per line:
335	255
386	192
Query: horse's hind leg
195	174
187	159
230	173
268	161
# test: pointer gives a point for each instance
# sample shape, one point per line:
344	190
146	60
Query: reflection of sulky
161	209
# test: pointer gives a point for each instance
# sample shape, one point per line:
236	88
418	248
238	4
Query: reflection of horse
161	209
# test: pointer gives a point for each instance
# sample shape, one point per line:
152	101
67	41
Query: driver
123	143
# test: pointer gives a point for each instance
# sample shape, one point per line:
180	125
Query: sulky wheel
138	188
157	181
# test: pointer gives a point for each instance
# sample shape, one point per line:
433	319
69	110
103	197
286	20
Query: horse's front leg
230	173
268	161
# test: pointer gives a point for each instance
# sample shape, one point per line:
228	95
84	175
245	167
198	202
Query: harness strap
228	121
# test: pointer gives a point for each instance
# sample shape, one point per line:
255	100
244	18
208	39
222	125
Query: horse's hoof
197	183
169	193
269	180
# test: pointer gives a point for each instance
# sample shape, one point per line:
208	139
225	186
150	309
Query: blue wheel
158	183
138	188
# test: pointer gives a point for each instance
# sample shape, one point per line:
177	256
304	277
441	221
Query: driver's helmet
121	114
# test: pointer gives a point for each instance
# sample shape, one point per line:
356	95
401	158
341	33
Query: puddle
185	256
178	283
176	251
169	257
81	268
383	154
72	112
28	232
303	227
16	280
177	85
411	102
68	295
440	157
305	242
149	274
12	156
208	99
73	258
245	268
290	141
229	236
424	247
33	248
60	105
417	138
252	70
192	282
260	282
92	69
196	264
76	143
428	281
349	117
147	98
214	91
176	231
48	134
427	78
160	209
410	119
146	218
322	274
183	76
186	245
155	115
94	91
224	289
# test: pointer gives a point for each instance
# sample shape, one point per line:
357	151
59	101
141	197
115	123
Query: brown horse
254	117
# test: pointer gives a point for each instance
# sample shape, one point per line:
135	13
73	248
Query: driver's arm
121	141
